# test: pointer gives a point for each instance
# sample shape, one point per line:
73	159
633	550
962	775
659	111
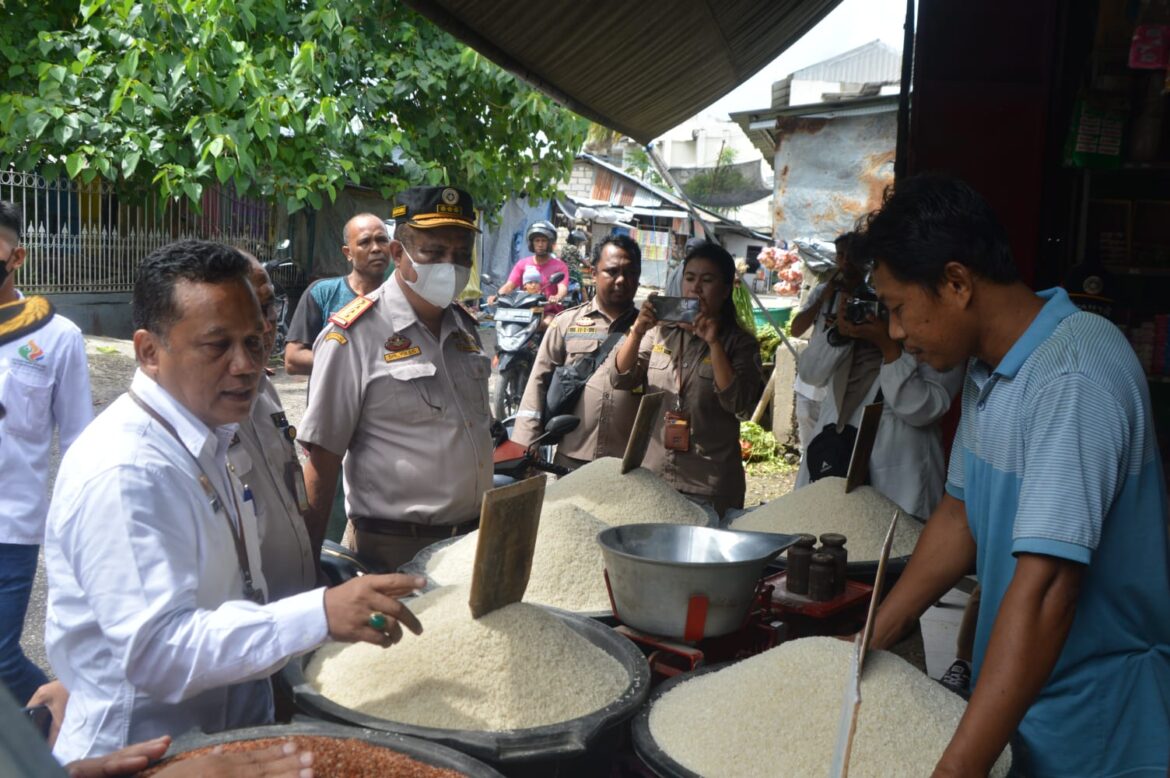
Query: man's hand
348	608
54	696
127	761
875	331
281	760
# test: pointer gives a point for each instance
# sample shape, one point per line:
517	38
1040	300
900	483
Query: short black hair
713	252
929	220
154	308
11	218
623	242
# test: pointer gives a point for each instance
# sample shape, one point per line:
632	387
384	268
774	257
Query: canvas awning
639	68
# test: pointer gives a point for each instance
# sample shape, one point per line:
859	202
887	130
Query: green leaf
128	66
215	147
225	167
63	134
37	123
75	163
130	163
193	190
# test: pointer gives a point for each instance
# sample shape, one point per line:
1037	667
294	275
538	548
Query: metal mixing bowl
684	582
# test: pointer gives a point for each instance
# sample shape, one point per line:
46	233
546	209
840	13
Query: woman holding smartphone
709	371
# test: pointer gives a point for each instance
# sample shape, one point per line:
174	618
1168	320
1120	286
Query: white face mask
438	284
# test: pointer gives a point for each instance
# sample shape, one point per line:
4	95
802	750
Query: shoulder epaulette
352	311
23	316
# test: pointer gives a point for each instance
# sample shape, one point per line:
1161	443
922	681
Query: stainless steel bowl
684	582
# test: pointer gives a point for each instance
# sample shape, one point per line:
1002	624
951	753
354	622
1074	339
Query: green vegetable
762	442
769	342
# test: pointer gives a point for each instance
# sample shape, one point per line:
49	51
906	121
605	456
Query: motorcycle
281	265
519	318
511	462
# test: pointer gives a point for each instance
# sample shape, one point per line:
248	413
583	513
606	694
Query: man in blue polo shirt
1054	497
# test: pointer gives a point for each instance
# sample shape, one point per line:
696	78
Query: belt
407	529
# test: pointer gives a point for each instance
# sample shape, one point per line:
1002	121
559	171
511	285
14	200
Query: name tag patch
394	356
660	348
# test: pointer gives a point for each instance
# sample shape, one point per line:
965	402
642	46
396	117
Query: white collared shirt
44	384
146	624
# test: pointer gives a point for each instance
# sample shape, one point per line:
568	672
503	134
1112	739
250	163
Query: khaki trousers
388	552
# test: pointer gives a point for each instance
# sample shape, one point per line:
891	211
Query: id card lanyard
676	427
217	505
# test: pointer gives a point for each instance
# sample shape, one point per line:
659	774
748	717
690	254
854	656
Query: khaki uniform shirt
265	460
409	411
712	466
607	414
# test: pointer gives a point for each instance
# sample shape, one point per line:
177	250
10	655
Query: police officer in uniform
607	414
400	393
263	455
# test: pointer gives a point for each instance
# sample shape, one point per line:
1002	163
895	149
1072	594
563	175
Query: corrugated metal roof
639	68
874	63
760	125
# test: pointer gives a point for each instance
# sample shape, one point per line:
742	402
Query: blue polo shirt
1056	455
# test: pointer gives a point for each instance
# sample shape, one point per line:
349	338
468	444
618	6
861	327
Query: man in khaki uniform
264	457
400	393
606	414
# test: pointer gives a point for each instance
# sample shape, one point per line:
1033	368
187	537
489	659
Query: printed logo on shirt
394	356
337	337
31	351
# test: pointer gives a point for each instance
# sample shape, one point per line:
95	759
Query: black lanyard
682	351
238	538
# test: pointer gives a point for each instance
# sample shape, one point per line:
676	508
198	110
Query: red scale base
775	615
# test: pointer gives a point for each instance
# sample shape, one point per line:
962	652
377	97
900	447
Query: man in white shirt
156	622
44	385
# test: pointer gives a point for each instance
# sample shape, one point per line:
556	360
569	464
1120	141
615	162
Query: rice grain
863	516
777	713
515	668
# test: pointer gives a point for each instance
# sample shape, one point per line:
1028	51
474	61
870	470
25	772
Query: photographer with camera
853	357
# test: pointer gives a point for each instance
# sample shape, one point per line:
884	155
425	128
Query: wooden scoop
508	522
648	411
851	705
858	472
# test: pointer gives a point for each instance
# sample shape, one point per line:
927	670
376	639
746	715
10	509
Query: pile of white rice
638	497
515	668
777	714
566	563
862	516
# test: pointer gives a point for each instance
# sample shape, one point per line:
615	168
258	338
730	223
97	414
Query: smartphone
684	309
41	718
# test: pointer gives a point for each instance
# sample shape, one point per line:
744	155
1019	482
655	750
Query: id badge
676	431
297	477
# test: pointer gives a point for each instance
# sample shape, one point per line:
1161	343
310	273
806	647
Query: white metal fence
85	238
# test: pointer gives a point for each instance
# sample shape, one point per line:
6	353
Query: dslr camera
864	304
857	309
